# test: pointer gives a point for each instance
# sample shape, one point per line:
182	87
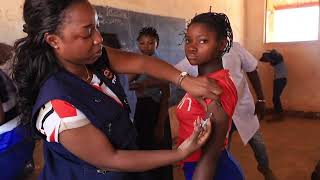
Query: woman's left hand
201	87
197	139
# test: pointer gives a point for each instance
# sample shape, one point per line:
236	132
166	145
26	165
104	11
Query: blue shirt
154	93
131	95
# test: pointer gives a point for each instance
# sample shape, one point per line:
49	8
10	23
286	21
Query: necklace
88	74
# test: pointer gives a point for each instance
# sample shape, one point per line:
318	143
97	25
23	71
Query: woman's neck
79	70
212	66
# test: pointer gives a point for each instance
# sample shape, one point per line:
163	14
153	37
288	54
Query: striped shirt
57	115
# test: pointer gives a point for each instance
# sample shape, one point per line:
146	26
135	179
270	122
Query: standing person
68	91
280	77
209	36
152	104
240	62
16	144
151	116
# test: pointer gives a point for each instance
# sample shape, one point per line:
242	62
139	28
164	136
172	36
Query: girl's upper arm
219	114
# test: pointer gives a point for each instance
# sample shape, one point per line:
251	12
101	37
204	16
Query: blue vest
103	112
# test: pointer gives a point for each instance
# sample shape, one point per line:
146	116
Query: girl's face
147	45
79	41
201	44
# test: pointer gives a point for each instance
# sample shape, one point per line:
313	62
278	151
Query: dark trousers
145	120
278	86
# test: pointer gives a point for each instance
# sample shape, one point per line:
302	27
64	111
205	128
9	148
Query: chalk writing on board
127	24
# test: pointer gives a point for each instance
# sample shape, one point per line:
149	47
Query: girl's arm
206	166
91	145
126	62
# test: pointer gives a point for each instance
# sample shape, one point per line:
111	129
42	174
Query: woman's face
79	41
147	45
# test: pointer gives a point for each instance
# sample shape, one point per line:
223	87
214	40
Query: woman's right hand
201	87
197	139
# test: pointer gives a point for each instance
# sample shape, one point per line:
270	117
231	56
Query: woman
66	79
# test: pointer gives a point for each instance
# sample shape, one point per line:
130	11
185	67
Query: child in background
209	36
151	116
152	104
280	78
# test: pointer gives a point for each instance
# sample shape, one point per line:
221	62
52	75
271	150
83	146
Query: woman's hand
201	87
197	139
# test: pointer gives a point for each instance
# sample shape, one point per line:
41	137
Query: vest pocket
97	174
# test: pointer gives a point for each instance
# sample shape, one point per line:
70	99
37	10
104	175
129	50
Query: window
292	20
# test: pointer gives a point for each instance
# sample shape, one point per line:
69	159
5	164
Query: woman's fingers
200	133
202	87
206	131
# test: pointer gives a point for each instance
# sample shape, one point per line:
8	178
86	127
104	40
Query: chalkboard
127	24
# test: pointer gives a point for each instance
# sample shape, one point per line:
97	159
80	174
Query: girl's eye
203	41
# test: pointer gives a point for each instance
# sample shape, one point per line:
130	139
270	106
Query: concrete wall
10	20
11	12
301	58
185	9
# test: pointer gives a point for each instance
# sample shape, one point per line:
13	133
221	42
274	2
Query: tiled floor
293	146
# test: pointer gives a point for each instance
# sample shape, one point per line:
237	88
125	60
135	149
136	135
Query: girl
152	103
148	41
67	90
151	116
208	37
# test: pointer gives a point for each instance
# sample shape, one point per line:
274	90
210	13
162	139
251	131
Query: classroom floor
293	146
